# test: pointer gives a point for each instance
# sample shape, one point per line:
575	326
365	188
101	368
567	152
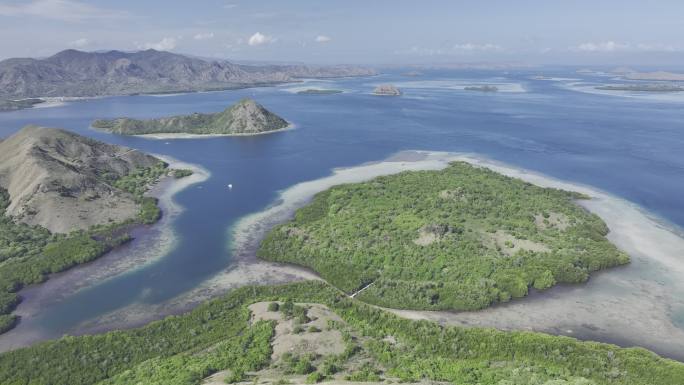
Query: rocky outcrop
243	118
60	180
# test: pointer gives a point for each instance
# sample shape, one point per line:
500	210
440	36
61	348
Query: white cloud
612	46
657	47
476	47
65	10
79	43
322	39
605	46
259	39
204	36
230	6
165	44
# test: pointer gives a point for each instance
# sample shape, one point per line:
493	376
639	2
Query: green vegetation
181	173
217	335
460	238
28	254
484	88
315	91
292	364
366	373
245	117
11	105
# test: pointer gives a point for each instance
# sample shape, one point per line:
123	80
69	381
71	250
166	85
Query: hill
310	333
246	117
62	181
52	182
75	73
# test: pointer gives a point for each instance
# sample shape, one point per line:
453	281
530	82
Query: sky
353	31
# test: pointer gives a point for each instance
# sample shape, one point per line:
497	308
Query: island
484	88
386	90
412	73
245	117
462	238
657	87
64	200
319	91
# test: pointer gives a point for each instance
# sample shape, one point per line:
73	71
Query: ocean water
628	146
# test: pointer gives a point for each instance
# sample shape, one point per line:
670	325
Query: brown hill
58	179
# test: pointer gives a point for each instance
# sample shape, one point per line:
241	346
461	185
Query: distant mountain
73	73
58	179
246	117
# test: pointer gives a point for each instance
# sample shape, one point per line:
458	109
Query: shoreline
150	243
166	136
630	305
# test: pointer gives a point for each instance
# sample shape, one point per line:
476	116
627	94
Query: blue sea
629	145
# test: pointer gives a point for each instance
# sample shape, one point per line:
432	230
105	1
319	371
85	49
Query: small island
246	117
657	87
485	88
412	73
462	238
386	90
319	91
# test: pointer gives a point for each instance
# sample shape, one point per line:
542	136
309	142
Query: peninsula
246	117
66	199
461	238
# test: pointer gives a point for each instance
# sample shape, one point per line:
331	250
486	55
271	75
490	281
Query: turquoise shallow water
630	147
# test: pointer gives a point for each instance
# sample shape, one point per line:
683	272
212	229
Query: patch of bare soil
323	342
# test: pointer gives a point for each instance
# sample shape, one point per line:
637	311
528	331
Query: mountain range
73	73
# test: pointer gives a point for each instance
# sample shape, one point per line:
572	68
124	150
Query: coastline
165	136
150	243
629	306
632	305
